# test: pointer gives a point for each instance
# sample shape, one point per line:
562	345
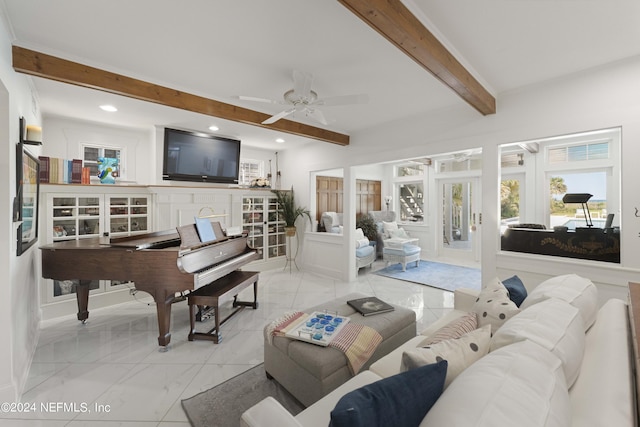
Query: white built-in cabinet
72	212
265	231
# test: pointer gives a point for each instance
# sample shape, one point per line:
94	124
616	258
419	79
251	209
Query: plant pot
290	231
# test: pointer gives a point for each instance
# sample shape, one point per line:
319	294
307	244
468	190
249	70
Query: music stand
581	198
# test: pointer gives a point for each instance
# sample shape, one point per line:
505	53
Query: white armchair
365	252
332	222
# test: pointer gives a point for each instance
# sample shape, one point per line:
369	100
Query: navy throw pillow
400	400
517	291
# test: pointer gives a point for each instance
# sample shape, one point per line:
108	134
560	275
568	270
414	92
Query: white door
460	218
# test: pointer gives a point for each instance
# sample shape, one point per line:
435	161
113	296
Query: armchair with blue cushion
365	252
332	222
380	217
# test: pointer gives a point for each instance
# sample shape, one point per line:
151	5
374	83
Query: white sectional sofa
558	360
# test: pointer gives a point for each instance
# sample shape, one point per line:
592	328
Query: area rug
436	274
223	405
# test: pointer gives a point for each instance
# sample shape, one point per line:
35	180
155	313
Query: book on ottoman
370	305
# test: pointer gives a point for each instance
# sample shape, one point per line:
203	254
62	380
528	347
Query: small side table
218	292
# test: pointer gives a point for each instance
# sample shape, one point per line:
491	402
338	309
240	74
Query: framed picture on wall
28	197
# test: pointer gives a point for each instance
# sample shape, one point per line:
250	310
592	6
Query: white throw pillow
399	233
577	291
493	306
519	385
388	227
361	239
555	325
460	353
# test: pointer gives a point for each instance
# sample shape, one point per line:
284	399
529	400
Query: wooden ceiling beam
397	24
50	67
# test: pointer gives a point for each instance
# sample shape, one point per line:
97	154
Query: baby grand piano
161	263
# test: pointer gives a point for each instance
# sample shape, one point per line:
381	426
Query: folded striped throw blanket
357	342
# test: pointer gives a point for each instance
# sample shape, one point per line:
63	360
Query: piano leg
82	297
163	308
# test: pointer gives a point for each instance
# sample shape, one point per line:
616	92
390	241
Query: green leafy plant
368	226
287	209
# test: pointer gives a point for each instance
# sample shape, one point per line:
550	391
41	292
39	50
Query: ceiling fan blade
256	99
278	116
343	100
302	83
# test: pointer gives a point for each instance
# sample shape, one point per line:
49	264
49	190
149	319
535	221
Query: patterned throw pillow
454	329
460	353
493	306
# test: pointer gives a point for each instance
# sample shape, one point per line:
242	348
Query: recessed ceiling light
279	140
214	128
109	108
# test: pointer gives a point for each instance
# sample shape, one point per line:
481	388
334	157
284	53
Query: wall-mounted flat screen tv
195	156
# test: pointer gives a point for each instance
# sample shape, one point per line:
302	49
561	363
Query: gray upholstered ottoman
309	371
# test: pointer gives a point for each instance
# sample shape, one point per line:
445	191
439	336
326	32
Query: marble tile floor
109	372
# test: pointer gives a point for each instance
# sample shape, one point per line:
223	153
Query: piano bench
217	293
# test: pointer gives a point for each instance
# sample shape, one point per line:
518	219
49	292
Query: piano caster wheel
84	321
163	348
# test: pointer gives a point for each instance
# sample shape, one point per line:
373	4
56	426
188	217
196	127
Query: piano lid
155	240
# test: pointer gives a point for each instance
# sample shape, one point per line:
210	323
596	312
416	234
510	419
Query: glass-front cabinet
127	215
86	214
260	222
75	217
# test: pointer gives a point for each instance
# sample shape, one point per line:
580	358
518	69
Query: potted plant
288	211
368	226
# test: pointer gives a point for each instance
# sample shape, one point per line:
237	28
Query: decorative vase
107	170
290	231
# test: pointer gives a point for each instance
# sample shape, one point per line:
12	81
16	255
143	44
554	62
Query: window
91	153
572	215
409	184
585	163
411	199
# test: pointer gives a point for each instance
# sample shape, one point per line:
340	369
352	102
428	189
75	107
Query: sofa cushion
519	385
517	291
402	399
555	325
460	353
577	291
452	330
364	251
493	305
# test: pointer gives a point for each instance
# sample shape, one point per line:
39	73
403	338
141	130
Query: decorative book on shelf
370	305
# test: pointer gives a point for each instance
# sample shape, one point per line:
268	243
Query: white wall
62	138
18	307
601	98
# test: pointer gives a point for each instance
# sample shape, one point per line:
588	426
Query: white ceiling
224	48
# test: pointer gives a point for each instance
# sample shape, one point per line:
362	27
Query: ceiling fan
301	99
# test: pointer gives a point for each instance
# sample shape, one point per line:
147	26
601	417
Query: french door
460	218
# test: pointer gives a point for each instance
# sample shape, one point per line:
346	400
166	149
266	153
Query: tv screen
195	156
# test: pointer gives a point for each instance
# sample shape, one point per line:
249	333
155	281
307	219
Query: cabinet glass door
253	222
